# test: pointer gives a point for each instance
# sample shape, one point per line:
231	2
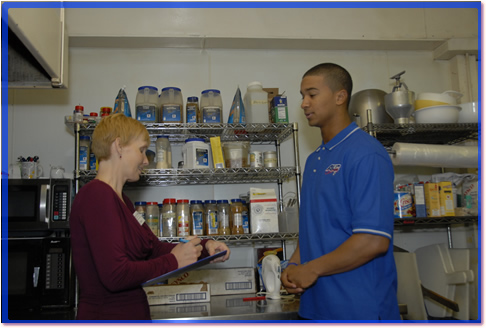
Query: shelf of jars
169	177
264	133
388	133
445	220
261	237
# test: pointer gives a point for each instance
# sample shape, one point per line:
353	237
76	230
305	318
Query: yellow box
218	159
446	199
432	199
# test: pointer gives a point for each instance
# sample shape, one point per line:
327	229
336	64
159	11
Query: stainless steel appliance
40	275
36	207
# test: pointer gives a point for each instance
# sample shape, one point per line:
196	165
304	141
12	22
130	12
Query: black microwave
40	275
38	206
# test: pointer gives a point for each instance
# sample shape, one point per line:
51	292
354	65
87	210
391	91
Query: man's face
318	100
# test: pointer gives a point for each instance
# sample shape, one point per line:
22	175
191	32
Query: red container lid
169	201
183	201
152	203
79	108
93	114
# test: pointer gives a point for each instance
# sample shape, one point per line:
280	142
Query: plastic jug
211	106
256	103
146	104
171	105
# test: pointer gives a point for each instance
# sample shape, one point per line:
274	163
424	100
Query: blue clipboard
179	271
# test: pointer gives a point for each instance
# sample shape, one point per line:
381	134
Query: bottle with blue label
146	104
211	106
84	143
192	110
171	106
197	221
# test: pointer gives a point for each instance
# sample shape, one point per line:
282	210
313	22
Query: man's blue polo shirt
347	189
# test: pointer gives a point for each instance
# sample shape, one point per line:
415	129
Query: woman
114	252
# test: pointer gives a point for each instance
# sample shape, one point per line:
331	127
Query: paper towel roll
408	154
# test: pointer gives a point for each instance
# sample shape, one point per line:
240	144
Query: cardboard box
217	152
264	210
446	199
176	294
177	311
222	281
272	92
432	199
419	199
279	112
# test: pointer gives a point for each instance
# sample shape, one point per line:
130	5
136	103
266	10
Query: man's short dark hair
337	77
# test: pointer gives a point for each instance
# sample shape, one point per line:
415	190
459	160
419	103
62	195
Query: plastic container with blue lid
146	104
196	154
211	106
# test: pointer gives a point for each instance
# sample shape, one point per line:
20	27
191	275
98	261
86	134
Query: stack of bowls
437	107
469	112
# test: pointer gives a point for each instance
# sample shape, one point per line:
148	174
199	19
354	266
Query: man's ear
341	97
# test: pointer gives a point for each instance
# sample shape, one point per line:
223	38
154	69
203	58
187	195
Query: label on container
202	157
146	113
183	225
213	223
403	205
83	158
169	224
197	223
153	223
211	114
256	159
171	113
246	222
191	112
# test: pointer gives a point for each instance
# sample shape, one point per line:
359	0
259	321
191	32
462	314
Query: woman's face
134	158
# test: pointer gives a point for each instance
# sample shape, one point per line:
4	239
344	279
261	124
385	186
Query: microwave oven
38	206
40	275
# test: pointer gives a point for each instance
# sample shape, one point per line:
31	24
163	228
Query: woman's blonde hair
112	127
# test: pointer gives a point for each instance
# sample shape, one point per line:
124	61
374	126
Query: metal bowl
373	99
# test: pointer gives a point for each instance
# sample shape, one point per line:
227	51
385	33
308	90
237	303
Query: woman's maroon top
113	255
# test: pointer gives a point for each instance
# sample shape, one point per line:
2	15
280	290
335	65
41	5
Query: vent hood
37	48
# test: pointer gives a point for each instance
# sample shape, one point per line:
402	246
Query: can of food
256	158
403	205
270	158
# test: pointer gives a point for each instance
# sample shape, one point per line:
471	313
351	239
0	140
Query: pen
182	240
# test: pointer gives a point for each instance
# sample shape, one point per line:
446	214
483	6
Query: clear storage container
236	209
146	104
236	154
152	217
197	220
163	152
211	217
183	214
193	114
224	217
169	217
171	105
211	106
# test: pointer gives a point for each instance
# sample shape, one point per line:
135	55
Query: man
343	264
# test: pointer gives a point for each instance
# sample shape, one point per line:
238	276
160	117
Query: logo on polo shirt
333	168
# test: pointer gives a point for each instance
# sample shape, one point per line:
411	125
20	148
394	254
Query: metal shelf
449	134
169	177
262	133
274	236
445	220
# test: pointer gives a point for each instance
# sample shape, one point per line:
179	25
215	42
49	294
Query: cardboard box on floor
177	294
221	281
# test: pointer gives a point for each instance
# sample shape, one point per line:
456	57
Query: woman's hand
214	247
187	253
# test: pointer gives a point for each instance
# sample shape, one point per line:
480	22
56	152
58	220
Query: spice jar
236	210
211	217
169	218
84	144
197	222
183	227
163	152
141	207
152	217
192	110
246	217
224	227
78	114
